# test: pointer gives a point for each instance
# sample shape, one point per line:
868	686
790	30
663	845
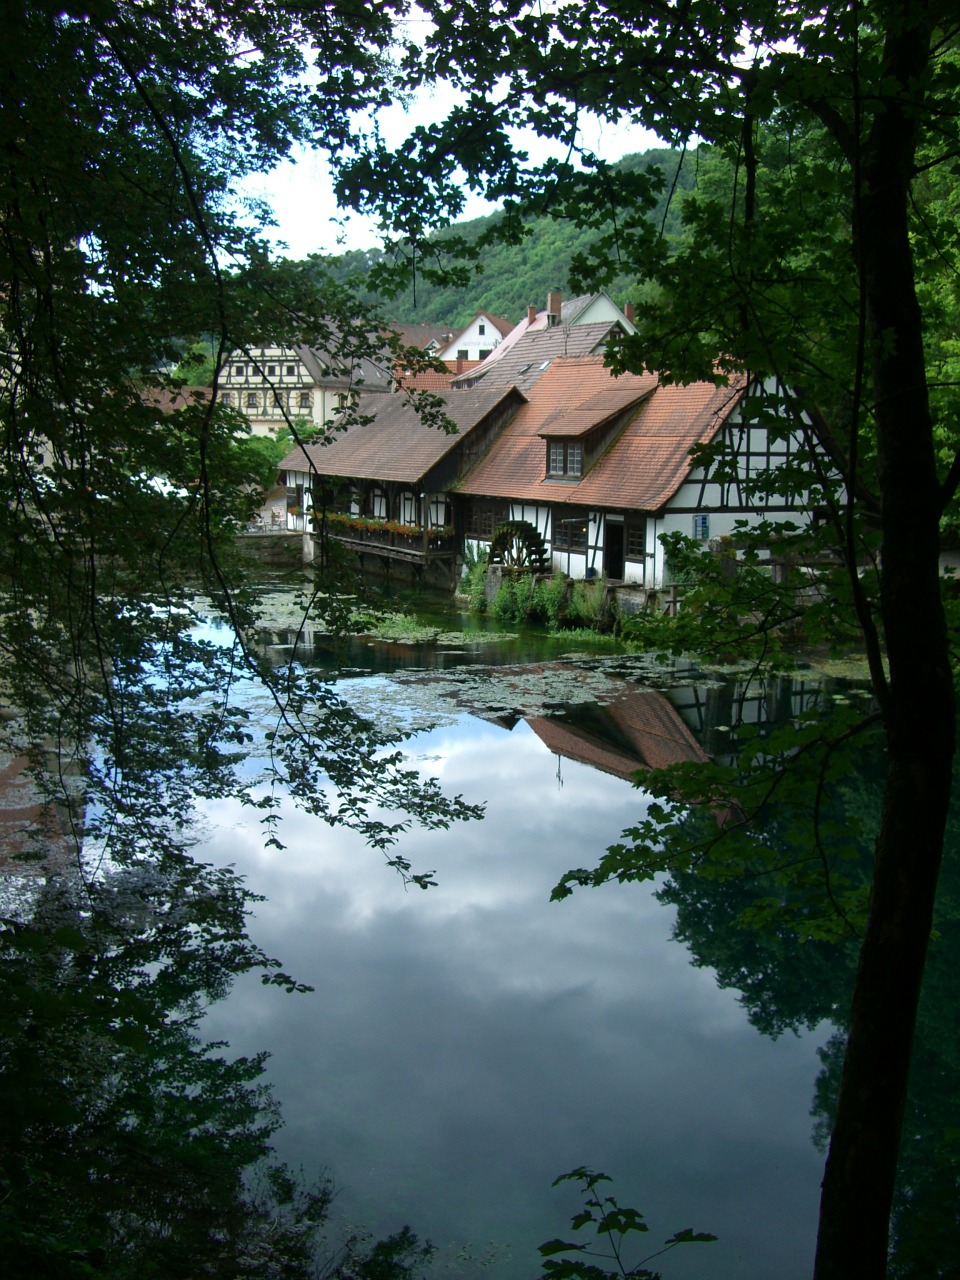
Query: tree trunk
918	705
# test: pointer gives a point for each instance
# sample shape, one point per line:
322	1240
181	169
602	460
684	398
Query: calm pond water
465	1045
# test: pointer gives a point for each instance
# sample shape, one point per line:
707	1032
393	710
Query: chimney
628	311
554	302
531	314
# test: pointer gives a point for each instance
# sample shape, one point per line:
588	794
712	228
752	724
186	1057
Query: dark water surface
465	1045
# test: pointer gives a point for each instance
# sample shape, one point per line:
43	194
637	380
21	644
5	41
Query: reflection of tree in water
128	1145
788	982
125	1141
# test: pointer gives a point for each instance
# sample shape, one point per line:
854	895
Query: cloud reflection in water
467	1044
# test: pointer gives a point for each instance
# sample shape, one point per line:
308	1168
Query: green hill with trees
510	276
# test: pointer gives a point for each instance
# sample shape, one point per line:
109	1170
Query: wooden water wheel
519	547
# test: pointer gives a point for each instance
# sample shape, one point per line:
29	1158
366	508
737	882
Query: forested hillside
511	277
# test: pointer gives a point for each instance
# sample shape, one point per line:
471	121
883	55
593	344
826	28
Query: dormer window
565	459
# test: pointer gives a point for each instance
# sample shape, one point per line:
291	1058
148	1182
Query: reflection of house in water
37	833
714	711
625	728
638	729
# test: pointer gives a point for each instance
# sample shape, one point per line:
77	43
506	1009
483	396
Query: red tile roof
580	418
426	380
642	469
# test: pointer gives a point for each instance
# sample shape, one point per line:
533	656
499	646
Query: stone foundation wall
280	550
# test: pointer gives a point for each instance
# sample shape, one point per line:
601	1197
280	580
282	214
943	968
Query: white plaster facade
481	336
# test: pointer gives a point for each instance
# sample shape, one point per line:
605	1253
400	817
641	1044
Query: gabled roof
396	444
644	466
570	313
500	323
502	326
572	308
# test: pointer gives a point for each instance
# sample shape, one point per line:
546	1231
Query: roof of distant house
341	368
525	360
167	399
645	464
423	336
527	335
397	444
502	326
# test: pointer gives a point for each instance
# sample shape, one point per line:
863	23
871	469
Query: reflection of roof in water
639	729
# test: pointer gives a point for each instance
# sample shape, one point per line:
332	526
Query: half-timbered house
600	467
272	385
